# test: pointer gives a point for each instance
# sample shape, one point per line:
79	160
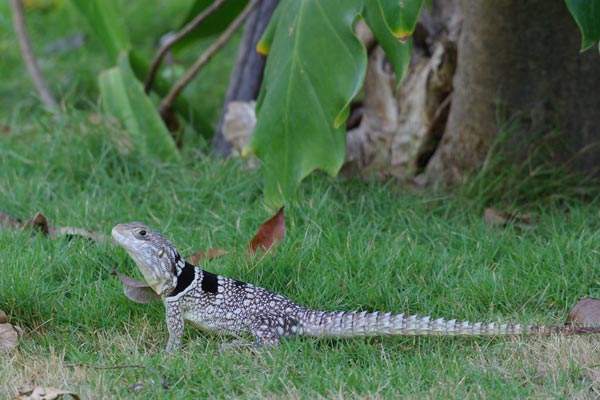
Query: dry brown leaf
493	217
585	313
38	222
196	257
270	232
45	393
9	339
3	317
135	290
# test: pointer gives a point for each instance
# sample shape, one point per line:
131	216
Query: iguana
227	306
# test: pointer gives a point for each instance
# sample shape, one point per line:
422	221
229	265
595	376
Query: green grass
349	245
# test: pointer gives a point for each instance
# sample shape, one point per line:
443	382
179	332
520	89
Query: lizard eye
140	233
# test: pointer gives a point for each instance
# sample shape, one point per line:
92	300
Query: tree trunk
519	57
399	127
246	77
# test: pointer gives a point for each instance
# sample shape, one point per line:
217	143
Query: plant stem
180	35
205	57
29	57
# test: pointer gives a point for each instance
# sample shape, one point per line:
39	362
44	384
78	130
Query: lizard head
154	254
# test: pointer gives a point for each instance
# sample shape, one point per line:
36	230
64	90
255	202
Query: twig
163	381
29	57
171	42
205	57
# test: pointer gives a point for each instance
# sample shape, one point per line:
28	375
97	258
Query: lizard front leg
174	318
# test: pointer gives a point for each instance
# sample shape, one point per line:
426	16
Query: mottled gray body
234	308
226	306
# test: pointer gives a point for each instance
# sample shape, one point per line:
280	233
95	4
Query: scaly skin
226	306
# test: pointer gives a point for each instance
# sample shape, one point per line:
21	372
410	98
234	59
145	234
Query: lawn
349	245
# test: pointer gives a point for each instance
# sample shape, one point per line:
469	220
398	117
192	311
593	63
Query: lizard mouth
117	234
123	234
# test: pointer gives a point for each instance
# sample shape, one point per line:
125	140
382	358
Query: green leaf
109	29
214	24
161	86
123	97
400	16
107	23
397	52
587	16
316	65
264	44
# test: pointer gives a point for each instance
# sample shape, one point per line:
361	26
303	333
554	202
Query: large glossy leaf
123	97
397	52
587	16
400	16
316	65
106	21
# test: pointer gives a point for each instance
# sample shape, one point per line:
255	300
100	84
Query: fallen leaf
585	313
3	317
493	217
135	290
38	222
9	339
45	393
269	233
196	257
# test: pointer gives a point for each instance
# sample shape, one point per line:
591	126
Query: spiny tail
356	324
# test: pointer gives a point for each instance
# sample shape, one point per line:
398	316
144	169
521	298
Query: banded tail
357	324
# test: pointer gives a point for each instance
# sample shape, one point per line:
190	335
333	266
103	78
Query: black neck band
185	279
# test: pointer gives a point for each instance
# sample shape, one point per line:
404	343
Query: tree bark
246	77
519	57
